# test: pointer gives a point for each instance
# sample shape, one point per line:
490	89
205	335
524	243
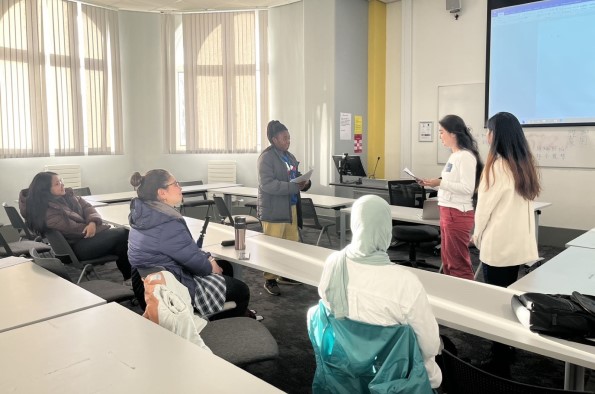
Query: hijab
371	228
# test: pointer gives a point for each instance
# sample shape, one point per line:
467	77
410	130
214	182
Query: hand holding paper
303	178
408	172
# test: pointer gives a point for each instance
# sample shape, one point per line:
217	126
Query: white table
485	311
94	203
469	306
12	260
216	232
587	240
115	214
571	270
109	349
129	195
319	200
290	259
30	294
413	215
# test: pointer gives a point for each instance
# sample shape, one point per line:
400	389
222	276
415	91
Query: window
59	79
218	80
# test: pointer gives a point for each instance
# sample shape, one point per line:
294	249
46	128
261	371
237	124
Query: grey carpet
285	317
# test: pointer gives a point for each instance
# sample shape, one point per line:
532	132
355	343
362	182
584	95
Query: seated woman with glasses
48	205
159	236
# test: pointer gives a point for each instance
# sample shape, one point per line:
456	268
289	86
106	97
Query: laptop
431	211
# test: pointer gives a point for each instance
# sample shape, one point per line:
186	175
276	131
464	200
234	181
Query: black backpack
562	316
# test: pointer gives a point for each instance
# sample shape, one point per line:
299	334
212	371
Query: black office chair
461	377
62	248
225	214
310	220
196	199
19	248
253	205
105	289
409	194
18	224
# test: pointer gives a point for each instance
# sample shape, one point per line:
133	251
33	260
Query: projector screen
540	62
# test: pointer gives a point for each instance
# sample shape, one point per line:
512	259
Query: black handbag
562	316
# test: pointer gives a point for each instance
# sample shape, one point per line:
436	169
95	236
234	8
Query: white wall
446	51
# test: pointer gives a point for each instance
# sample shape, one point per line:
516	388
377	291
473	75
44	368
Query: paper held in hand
303	178
408	172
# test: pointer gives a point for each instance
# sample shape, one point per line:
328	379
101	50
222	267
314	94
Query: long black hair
37	201
509	143
455	125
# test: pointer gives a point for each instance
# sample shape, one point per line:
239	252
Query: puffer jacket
159	236
275	189
68	214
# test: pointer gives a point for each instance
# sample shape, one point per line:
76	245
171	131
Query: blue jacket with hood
159	236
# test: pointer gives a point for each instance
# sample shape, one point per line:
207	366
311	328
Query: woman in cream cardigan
504	219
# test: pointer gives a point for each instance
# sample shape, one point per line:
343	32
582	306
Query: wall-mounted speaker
453	6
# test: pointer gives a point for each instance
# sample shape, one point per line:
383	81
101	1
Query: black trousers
111	241
502	277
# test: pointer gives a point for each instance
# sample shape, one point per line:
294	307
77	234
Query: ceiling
187	5
191	5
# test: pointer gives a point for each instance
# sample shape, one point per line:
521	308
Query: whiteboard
572	147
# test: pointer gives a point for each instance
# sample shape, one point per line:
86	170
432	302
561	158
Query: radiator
221	171
70	173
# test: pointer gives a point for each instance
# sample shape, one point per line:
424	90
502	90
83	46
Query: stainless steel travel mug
240	232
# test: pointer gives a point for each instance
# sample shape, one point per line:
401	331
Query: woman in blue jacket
159	236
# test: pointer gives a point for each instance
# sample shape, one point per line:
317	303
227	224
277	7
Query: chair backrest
222	209
463	378
359	357
51	264
406	193
61	247
5	245
18	223
82	191
194	194
309	216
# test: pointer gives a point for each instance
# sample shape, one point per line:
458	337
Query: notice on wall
358	124
345	126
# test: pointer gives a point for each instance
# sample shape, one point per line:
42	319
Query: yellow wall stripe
376	85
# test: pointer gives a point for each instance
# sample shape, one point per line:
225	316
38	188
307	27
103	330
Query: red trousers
455	234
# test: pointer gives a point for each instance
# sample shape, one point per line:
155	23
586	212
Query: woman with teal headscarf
360	282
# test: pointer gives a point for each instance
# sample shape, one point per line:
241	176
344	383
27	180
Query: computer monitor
349	165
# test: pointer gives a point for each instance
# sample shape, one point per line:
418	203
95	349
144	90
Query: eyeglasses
176	183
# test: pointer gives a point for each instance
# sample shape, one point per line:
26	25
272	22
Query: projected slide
542	62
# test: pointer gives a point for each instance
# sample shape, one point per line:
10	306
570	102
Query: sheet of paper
408	172
303	177
345	126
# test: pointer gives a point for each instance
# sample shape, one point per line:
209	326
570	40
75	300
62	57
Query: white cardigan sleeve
488	199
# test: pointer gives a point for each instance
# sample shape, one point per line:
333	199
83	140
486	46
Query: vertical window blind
60	89
217	75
